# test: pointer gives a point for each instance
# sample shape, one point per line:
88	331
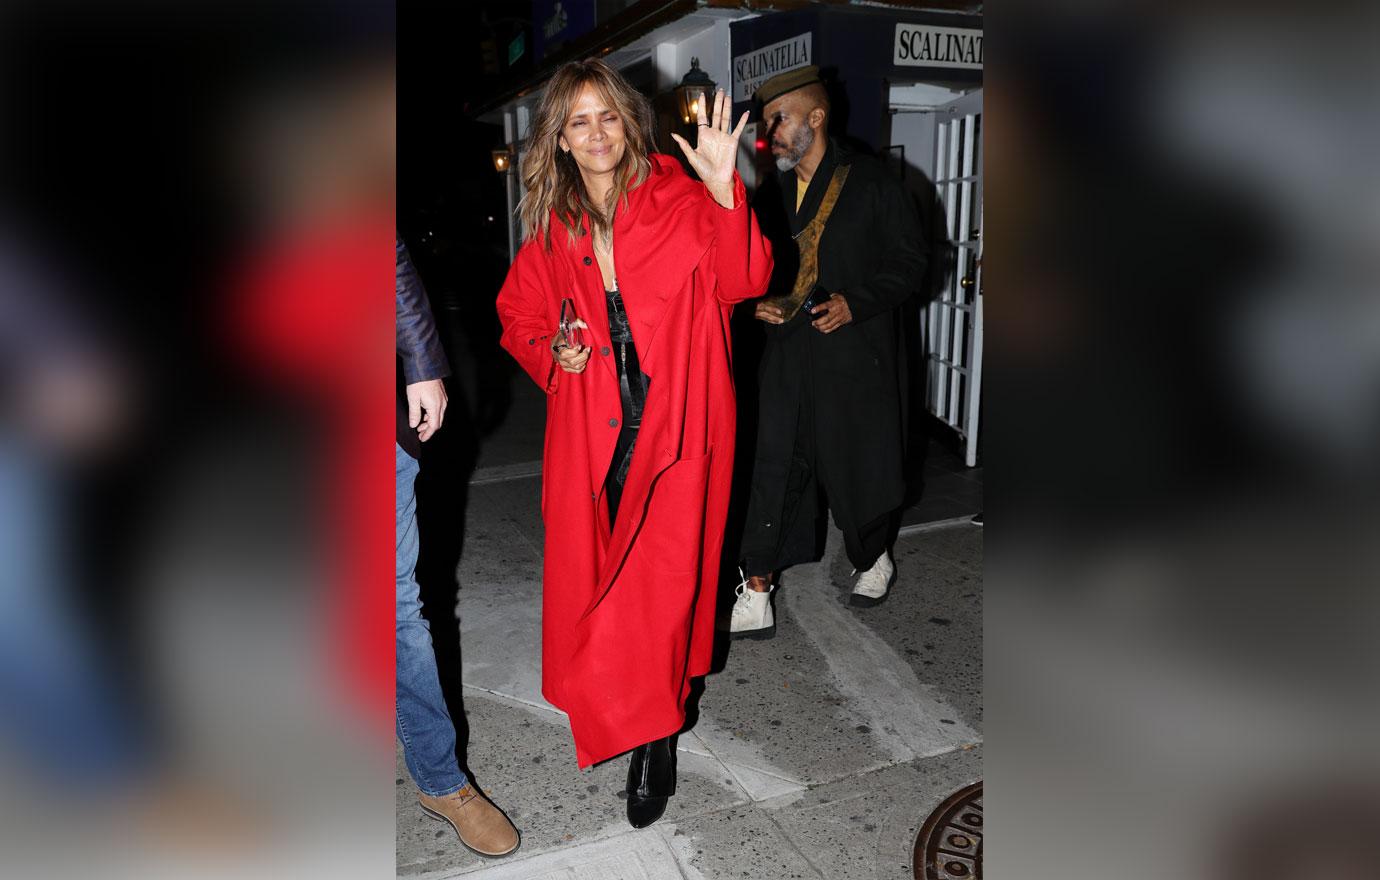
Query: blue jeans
58	704
424	725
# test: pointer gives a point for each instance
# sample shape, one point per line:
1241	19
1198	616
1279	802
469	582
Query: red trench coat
628	617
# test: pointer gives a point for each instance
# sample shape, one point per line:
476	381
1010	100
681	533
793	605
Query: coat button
613	423
604	351
531	342
588	261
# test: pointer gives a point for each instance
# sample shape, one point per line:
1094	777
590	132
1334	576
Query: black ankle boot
651	781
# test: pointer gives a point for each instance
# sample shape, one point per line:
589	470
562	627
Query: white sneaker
873	587
752	616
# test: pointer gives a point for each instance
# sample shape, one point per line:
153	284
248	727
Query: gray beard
800	145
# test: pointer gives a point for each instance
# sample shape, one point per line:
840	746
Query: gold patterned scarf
808	242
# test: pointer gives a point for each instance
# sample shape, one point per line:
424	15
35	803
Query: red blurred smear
761	144
314	314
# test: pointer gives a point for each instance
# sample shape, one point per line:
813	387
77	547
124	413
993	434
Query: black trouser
866	543
622	458
632	389
769	547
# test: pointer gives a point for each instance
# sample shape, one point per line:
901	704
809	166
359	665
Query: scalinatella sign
923	45
759	65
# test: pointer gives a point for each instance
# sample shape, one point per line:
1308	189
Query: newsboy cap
787	82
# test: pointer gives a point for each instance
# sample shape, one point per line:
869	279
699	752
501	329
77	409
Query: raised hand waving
716	150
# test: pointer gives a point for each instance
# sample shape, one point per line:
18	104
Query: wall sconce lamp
696	89
503	161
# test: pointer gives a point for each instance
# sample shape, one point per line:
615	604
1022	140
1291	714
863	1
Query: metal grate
949	846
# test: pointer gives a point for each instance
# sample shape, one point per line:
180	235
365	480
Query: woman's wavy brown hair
550	175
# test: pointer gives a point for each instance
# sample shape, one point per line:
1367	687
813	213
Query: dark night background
452	205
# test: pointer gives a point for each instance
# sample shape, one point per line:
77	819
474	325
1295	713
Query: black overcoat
873	252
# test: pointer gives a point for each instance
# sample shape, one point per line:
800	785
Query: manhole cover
949	846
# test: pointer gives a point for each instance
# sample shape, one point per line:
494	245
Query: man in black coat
830	398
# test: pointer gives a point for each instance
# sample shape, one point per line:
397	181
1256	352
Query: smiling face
593	136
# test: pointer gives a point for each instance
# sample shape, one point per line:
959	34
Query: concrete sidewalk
817	754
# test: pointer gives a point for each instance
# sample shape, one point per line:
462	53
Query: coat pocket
672	535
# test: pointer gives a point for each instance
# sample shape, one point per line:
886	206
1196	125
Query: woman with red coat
640	406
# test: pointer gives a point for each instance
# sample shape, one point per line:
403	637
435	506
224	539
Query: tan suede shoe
482	827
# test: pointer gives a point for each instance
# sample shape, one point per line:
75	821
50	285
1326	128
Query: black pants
771	546
632	389
866	544
618	470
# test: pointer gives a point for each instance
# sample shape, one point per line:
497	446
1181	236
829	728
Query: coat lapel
587	289
659	238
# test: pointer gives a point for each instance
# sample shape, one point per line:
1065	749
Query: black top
634	393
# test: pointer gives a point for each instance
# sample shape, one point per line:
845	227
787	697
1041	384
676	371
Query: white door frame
952	323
